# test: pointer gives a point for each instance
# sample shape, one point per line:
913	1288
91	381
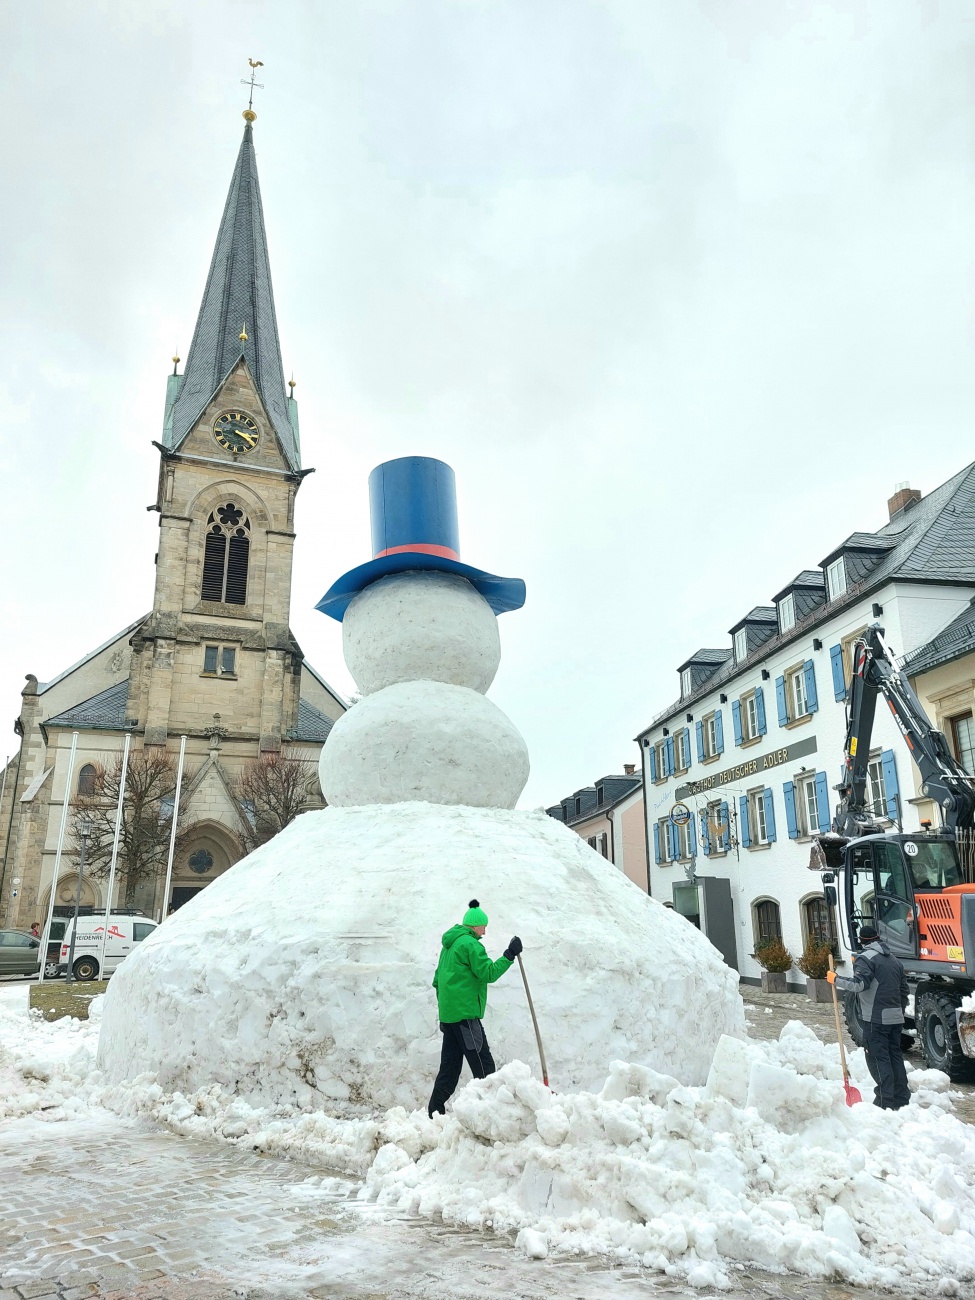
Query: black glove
513	948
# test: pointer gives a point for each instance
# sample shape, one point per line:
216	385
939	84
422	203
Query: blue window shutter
809	673
760	710
705	833
669	755
839	680
780	703
789	790
718	732
822	802
693	837
726	822
746	837
656	842
672	838
687	745
736	719
653	763
769	814
699	732
891	788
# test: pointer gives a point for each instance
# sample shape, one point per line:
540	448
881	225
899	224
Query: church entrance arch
207	850
67	891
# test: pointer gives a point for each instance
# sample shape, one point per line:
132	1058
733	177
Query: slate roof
861	542
953	641
760	614
705	656
933	541
238	293
103	712
808	578
312	724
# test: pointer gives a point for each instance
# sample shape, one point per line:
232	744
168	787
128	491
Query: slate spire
238	300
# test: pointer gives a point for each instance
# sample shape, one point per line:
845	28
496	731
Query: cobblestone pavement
107	1208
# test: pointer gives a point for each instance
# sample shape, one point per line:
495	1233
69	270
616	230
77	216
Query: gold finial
176	360
243	334
291	385
249	115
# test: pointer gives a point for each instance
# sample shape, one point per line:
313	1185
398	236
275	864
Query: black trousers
467	1039
885	1061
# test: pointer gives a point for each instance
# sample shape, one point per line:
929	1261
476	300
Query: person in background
880	983
461	979
35	929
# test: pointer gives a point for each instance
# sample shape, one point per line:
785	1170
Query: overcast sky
680	289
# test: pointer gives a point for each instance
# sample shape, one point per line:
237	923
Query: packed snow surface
762	1165
303	975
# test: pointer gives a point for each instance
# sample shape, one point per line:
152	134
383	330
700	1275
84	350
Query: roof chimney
904	497
629	769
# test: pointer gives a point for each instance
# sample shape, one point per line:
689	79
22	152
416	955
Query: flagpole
172	834
111	871
46	932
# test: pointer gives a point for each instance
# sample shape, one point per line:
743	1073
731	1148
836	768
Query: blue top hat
413	504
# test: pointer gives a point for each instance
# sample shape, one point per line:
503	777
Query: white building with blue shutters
752	748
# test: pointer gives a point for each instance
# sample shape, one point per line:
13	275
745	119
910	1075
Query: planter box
774	981
819	990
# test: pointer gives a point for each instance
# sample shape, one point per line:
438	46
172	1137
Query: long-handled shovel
852	1094
531	1008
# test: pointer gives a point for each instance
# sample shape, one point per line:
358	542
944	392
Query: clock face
236	432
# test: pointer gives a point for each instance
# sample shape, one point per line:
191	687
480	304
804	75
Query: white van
124	932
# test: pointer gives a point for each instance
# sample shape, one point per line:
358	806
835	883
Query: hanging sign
753	767
680	814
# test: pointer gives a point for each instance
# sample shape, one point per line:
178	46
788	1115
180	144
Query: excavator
917	888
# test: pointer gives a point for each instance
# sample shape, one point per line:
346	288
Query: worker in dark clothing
461	979
880	984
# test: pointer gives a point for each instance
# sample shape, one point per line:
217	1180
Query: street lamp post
84	827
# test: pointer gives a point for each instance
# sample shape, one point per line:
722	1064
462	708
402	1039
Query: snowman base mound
302	976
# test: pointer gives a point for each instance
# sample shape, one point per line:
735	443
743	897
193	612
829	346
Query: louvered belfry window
225	555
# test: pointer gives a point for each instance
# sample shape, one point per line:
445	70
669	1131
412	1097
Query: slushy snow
762	1165
302	976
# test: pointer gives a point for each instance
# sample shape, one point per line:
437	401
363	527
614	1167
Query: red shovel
852	1094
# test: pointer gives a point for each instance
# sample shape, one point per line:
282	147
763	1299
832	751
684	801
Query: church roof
312	724
103	712
237	298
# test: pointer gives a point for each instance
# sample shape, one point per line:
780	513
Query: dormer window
787	613
836	578
600	792
741	644
685	682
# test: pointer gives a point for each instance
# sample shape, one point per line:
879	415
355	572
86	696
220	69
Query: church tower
218	639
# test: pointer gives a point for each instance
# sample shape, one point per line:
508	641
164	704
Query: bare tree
273	790
147	817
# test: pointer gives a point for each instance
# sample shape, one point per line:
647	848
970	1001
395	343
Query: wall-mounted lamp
690	717
817	644
876	610
666	731
765	674
723	698
646	742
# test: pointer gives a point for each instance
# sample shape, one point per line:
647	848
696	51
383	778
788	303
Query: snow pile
302	976
45	1067
763	1166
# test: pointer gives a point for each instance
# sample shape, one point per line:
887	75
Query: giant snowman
303	975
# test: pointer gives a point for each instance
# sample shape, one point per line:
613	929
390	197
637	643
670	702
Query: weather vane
249	114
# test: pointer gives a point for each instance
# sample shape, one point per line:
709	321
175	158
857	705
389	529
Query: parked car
124	932
20	953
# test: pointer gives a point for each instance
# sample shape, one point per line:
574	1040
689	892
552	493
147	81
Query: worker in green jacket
462	976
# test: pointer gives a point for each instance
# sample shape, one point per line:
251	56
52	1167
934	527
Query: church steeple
237	319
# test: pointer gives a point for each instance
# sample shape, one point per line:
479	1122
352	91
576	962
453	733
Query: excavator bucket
966	1030
826	853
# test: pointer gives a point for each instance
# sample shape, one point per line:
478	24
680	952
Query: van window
140	929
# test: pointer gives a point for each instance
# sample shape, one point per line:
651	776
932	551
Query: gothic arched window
225	555
86	779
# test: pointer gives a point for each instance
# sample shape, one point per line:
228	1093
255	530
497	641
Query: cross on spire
254	85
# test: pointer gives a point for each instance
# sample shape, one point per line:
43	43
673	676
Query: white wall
912	614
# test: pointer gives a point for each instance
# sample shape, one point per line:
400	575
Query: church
215	661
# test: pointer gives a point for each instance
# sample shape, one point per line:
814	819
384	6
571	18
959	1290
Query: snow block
303	974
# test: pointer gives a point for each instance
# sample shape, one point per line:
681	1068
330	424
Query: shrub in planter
776	960
814	963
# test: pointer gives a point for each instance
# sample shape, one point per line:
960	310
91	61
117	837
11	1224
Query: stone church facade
215	660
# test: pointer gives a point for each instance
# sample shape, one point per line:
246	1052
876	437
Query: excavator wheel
851	1014
937	1034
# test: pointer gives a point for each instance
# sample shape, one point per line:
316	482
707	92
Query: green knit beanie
475	915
